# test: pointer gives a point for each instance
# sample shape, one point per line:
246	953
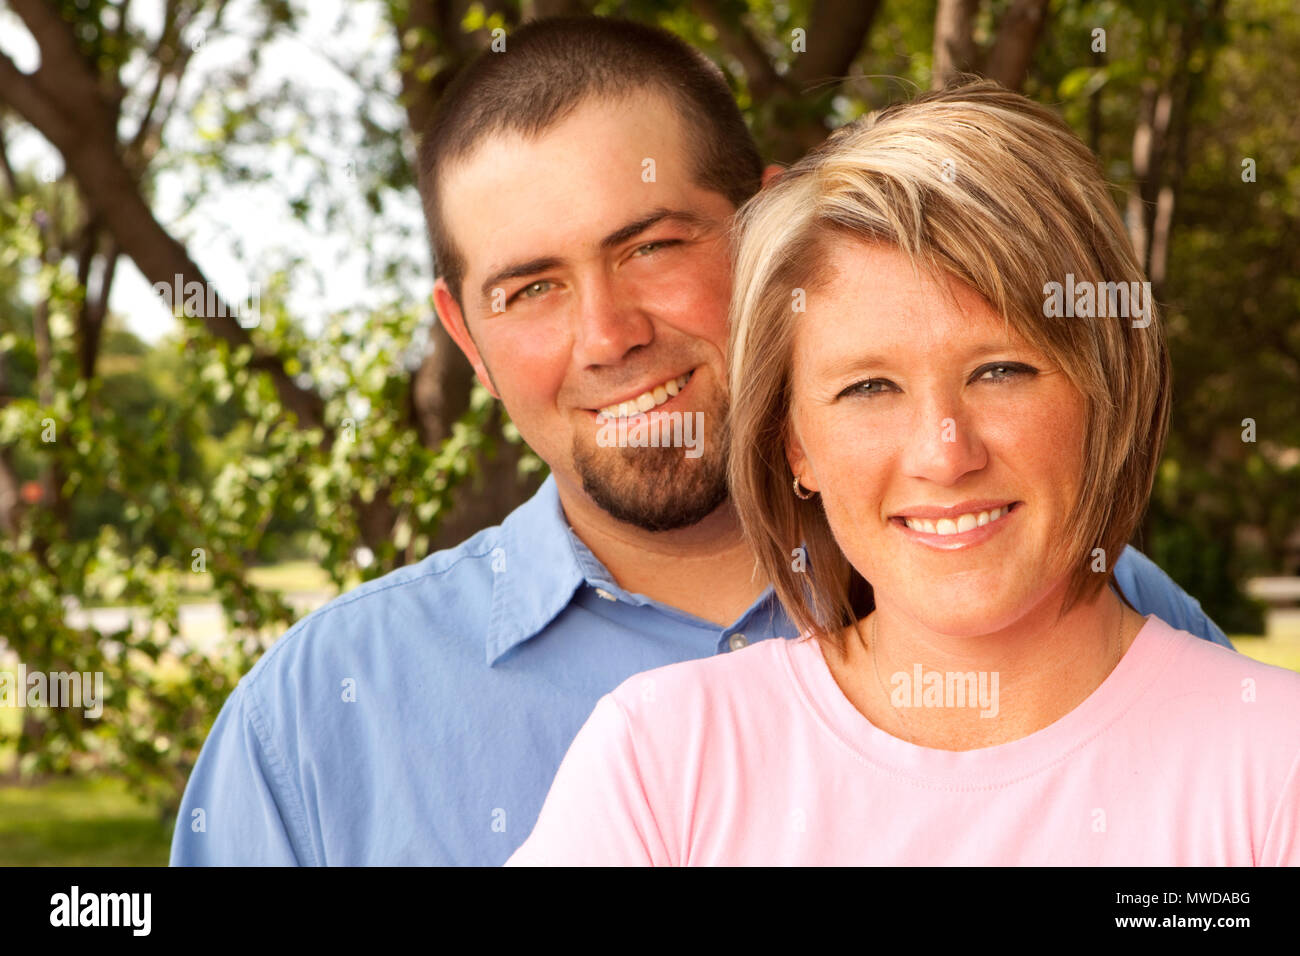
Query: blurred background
179	484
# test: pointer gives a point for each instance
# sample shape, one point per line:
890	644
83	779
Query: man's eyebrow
615	238
515	270
620	236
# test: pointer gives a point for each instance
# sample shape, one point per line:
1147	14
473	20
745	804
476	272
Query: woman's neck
1014	682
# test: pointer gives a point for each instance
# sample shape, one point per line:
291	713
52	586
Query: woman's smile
950	529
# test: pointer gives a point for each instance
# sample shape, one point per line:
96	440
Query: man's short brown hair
548	69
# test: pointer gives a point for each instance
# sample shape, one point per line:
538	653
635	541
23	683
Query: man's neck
706	569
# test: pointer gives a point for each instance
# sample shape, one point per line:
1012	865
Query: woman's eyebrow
857	362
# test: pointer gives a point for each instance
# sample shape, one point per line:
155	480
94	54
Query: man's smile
645	399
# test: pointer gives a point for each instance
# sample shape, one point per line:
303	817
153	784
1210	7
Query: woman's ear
798	460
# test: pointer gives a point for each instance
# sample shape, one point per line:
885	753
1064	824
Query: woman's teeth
647	399
956	525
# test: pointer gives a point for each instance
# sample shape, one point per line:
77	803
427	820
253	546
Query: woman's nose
943	443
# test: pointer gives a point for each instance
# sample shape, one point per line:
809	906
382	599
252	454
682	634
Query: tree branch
1013	49
740	43
559	8
63	67
954	40
24	96
11	180
78	129
836	32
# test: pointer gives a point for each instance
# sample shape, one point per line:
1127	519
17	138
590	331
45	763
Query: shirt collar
536	574
542	563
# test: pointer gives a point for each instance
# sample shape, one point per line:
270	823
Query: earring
798	489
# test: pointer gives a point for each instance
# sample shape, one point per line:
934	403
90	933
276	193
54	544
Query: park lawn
1278	651
285	577
291	576
79	822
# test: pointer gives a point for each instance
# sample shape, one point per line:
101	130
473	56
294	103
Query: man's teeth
956	525
648	399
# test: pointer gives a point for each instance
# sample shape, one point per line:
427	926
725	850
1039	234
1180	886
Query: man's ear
771	174
453	320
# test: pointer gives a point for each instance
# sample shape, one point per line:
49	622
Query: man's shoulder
445	596
1151	591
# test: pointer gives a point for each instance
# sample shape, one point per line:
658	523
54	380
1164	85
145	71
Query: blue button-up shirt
420	718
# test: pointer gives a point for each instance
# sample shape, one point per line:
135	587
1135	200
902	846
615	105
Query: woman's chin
965	611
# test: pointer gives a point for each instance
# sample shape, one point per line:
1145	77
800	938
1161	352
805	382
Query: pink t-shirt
1187	755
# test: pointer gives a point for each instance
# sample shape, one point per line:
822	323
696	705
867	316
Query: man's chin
654	489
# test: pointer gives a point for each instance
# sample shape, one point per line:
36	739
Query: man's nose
609	324
943	443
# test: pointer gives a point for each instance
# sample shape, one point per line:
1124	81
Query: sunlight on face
587	285
947	451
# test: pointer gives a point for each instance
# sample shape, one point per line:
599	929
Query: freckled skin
938	351
1019	438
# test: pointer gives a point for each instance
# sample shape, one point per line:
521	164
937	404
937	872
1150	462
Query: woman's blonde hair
987	186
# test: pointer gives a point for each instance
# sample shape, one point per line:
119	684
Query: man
581	187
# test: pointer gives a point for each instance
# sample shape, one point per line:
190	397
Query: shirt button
601	592
738	641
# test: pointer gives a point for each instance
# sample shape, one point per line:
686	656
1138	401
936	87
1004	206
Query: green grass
291	576
1281	652
287	576
79	822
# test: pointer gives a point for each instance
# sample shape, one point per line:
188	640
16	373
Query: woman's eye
869	387
1003	371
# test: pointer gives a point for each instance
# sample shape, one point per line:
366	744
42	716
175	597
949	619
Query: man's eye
1003	371
533	289
868	388
649	247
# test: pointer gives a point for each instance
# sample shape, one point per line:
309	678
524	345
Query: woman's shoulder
1204	662
739	679
1237	695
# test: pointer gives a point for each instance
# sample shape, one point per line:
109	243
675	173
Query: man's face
597	273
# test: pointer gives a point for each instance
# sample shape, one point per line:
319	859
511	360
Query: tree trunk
954	40
440	387
76	111
1013	50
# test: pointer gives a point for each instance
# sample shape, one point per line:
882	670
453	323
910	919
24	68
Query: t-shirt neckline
987	767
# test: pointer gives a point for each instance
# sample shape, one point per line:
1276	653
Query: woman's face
947	450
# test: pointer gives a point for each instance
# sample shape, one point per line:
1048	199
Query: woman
915	405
